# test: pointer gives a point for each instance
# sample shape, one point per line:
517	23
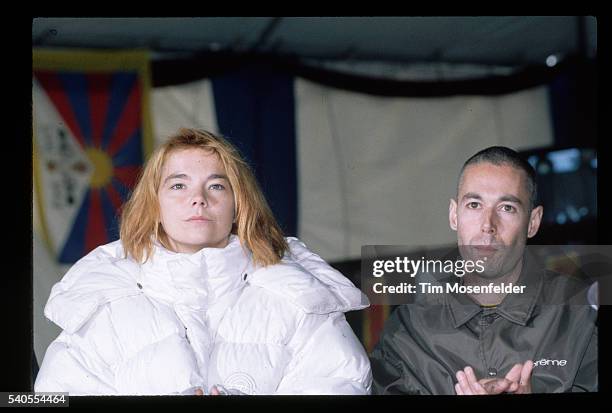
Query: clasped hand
517	381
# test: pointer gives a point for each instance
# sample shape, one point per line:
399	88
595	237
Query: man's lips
485	247
485	250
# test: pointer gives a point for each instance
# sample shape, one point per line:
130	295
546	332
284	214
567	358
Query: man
493	342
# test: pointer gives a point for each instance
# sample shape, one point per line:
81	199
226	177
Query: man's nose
488	225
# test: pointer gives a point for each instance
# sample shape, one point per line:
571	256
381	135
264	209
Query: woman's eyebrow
185	176
176	176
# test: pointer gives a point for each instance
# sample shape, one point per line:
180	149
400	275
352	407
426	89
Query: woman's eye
177	186
216	187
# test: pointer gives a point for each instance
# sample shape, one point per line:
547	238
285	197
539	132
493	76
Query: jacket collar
198	279
517	308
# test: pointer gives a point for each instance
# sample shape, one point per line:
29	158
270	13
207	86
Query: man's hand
521	375
468	384
517	381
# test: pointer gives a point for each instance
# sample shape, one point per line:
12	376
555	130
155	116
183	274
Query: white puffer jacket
184	321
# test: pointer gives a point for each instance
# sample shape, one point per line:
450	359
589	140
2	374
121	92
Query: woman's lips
199	219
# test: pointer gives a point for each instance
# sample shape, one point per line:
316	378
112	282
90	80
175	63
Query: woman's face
196	201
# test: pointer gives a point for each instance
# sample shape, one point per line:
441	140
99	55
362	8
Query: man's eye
216	187
177	186
508	208
472	205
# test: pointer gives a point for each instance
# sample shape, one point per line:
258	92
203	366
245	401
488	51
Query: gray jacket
424	344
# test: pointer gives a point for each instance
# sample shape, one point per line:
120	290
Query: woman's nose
198	199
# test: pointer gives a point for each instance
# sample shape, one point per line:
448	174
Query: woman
202	294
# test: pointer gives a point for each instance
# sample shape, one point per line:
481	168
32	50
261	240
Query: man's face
492	218
196	201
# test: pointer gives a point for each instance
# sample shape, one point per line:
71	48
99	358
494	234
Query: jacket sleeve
80	361
327	359
68	369
91	361
587	377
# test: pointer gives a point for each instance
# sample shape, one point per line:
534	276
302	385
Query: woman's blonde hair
255	224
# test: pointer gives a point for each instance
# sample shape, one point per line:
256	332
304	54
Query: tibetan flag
91	136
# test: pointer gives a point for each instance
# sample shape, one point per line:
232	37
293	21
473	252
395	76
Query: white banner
378	170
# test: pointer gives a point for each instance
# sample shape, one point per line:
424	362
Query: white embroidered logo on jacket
547	362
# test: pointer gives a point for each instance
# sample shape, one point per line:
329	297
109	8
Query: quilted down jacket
185	321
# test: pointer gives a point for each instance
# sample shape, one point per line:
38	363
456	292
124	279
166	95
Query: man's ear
452	214
534	221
